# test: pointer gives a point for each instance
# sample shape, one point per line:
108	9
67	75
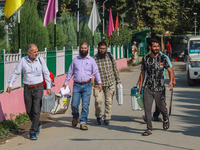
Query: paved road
126	125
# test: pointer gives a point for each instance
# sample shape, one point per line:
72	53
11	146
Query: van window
194	46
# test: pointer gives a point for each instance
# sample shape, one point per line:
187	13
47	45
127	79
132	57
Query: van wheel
190	81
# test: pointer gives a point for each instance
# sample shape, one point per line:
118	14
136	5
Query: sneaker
33	136
74	121
39	127
98	121
106	122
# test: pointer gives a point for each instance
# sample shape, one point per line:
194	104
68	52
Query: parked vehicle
193	59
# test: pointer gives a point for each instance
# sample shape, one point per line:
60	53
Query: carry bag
61	104
119	93
134	100
48	102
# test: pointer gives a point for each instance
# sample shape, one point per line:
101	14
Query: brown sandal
83	127
147	133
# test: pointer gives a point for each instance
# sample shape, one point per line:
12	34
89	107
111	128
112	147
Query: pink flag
51	11
110	24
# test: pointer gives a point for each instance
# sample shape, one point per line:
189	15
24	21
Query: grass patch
10	127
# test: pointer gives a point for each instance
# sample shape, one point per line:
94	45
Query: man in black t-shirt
154	88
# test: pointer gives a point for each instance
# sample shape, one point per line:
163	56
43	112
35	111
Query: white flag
94	18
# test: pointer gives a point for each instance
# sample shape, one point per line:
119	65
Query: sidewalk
124	132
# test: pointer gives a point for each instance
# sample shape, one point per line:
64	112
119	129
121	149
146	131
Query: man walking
82	68
169	49
33	68
109	76
154	88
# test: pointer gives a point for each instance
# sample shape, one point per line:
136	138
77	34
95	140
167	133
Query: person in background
82	68
33	68
109	76
134	52
169	49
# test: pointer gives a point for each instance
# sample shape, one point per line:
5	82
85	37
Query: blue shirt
33	72
170	64
83	69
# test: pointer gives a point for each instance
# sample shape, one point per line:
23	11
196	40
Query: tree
68	29
32	29
3	38
60	36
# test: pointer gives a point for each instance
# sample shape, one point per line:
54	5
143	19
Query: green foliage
3	38
60	37
32	29
10	127
124	37
68	30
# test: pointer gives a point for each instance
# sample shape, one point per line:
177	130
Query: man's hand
119	82
9	89
64	86
139	91
170	86
100	87
174	82
49	92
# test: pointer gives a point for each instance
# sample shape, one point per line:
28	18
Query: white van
193	59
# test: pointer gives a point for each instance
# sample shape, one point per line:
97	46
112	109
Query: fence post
2	66
45	50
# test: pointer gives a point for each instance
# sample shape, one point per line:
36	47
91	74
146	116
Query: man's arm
46	74
17	71
141	78
171	78
69	74
95	72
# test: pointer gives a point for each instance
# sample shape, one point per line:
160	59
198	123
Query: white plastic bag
119	93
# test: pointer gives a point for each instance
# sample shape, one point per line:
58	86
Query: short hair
153	40
30	46
134	42
102	43
84	43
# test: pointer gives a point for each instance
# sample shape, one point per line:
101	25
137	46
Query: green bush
10	127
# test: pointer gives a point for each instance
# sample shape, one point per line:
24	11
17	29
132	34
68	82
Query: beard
32	56
102	55
154	52
83	53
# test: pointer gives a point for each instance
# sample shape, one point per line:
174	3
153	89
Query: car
193	59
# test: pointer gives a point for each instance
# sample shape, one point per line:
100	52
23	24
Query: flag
110	24
94	18
11	6
116	23
51	11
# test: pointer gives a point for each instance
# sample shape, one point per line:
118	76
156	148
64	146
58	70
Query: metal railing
58	62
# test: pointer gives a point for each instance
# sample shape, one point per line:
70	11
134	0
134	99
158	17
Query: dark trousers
148	97
33	103
157	112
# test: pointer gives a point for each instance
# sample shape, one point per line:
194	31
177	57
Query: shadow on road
189	103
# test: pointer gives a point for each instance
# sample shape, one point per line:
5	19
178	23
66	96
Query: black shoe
98	121
106	122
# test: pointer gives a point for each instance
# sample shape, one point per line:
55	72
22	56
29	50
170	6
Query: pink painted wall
13	103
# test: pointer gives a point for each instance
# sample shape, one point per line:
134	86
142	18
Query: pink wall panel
13	103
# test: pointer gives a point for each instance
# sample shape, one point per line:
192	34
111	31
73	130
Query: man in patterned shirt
109	75
154	88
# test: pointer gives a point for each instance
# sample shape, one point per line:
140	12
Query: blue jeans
84	92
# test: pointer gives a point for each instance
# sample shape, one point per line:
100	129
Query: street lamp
124	15
103	15
195	24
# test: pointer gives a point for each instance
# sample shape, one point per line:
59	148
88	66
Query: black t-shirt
154	68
